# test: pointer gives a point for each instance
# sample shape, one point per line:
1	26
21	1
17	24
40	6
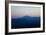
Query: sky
25	11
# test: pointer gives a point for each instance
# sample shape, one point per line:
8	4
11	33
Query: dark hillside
25	22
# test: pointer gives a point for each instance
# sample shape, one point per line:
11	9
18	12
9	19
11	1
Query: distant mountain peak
26	16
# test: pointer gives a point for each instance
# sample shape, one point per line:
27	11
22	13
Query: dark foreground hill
25	22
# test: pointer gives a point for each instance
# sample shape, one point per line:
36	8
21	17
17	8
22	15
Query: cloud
25	10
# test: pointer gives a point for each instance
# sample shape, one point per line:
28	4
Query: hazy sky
25	11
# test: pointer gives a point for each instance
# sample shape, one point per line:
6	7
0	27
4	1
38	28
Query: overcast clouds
25	11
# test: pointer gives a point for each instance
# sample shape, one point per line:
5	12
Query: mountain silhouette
27	17
25	22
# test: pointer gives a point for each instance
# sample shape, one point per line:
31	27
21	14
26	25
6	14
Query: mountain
25	22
